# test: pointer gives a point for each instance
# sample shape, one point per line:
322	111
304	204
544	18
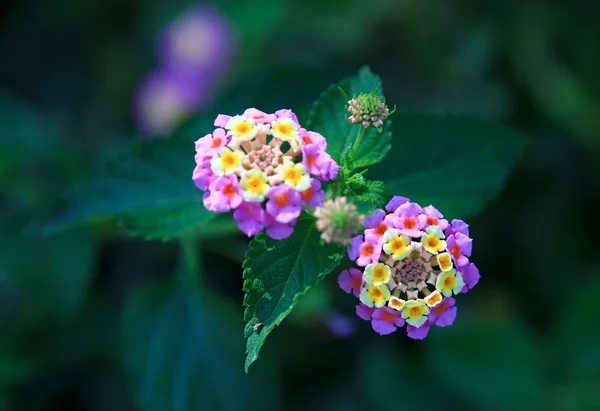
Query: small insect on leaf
258	327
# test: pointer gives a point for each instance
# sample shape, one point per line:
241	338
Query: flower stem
191	257
359	138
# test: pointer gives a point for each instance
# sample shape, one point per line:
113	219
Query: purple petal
250	227
447	317
417	333
431	211
317	198
465	243
364	312
287	113
202	177
345	281
396	202
215	201
374	219
462	261
409	210
414	233
354	248
471	275
458	226
235	201
279	231
383	327
287	214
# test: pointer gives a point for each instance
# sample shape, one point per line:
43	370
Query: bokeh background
81	80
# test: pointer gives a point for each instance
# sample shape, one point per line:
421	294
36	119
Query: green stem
191	256
358	141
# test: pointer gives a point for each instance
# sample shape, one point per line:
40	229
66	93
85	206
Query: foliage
276	274
183	352
330	118
96	317
455	162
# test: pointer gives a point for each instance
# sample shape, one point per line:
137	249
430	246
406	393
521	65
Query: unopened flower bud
369	110
338	221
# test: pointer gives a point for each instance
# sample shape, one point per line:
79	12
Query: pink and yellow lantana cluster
265	167
412	262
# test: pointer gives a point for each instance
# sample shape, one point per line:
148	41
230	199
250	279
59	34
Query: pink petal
222	120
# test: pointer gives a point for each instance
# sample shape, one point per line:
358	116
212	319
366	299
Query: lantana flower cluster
412	262
264	167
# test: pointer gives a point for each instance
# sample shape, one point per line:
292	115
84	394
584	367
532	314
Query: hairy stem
358	141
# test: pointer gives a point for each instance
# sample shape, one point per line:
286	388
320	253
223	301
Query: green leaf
493	362
149	192
367	195
51	282
183	352
376	194
382	357
330	118
454	162
578	332
167	222
276	273
24	133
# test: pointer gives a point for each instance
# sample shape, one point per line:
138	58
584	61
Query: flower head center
285	129
415	311
455	251
229	191
449	282
440	309
389	317
242	128
265	158
433	241
229	160
293	175
410	223
282	200
367	250
340	218
308	194
381	229
379	273
256	184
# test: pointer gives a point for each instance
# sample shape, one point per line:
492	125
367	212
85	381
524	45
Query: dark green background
78	309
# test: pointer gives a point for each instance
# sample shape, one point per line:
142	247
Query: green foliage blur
95	319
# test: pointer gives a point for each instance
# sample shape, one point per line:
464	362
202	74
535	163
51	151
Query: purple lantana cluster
412	262
264	167
195	50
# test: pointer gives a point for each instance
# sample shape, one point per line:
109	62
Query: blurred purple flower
164	98
200	42
339	325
